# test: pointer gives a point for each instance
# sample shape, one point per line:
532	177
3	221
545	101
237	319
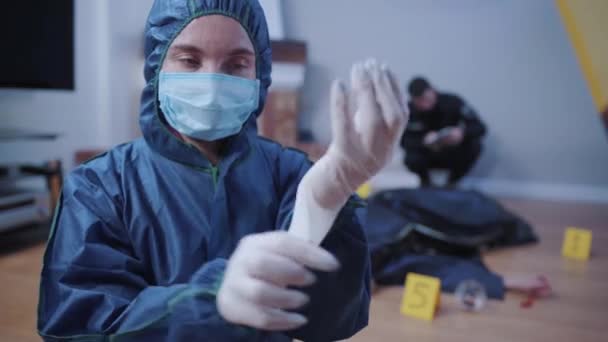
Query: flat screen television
37	44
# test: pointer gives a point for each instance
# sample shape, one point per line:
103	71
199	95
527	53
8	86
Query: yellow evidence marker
421	296
364	190
577	243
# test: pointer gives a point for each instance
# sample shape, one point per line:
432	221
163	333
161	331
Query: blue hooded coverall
142	233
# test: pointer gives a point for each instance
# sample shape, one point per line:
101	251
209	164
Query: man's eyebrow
185	48
241	51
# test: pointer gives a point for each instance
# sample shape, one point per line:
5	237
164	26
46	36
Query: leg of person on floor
467	157
419	163
457	160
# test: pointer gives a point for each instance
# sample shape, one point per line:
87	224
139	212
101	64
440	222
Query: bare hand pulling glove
254	290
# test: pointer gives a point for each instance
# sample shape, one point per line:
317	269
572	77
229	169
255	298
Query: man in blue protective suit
203	231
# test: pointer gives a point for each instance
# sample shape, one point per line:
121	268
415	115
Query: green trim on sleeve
186	294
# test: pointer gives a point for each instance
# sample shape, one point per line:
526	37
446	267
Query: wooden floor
578	312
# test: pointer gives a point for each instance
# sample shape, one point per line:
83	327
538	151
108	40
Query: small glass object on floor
471	295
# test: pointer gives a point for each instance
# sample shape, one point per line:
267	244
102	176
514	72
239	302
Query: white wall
103	109
74	114
510	59
126	61
274	16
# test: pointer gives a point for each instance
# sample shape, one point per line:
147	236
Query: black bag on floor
409	223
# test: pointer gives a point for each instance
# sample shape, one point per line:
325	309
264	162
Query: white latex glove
254	289
455	136
431	138
363	141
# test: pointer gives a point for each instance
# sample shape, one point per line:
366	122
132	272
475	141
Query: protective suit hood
142	234
166	21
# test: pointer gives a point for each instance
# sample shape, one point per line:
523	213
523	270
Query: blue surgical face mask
207	106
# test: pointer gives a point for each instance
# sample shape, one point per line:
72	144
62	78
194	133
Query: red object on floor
537	293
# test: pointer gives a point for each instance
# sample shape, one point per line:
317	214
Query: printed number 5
574	243
420	290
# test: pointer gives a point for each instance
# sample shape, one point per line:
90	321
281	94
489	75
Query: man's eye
189	62
237	67
239	63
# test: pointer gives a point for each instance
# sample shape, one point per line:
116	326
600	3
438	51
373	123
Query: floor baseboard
542	191
396	177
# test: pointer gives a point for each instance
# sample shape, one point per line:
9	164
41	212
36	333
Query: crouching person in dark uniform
443	133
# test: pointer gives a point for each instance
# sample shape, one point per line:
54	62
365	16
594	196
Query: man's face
426	101
212	44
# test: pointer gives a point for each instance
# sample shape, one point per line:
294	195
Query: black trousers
458	160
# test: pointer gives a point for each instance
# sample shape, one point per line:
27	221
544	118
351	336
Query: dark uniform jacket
450	110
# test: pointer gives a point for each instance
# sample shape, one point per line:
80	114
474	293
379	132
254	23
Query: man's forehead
190	48
215	32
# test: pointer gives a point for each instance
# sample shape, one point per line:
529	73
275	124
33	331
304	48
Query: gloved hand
363	142
431	138
455	136
254	289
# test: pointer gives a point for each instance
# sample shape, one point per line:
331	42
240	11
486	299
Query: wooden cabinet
279	120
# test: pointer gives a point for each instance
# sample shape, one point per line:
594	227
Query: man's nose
211	67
